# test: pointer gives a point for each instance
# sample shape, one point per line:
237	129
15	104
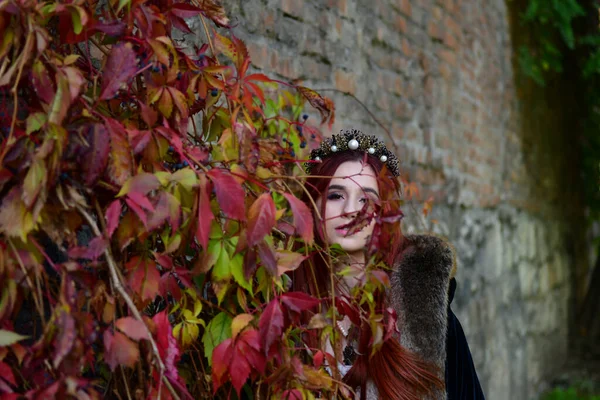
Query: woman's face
353	183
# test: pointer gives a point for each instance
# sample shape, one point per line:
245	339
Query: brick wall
439	75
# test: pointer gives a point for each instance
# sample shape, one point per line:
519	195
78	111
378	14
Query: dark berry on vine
302	145
155	69
300	129
305	116
171	148
214	92
185	163
179	76
293	153
313	136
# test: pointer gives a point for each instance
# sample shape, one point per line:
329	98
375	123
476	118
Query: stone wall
439	75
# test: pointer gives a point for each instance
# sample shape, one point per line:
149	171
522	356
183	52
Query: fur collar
419	294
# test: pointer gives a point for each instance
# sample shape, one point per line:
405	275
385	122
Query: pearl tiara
354	140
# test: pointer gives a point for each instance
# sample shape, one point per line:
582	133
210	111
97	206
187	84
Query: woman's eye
334	196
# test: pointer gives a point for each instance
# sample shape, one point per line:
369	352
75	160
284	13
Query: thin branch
103	49
112	267
377	121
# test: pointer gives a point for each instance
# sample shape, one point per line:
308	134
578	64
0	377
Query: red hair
396	372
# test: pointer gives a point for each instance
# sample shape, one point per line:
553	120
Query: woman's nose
351	208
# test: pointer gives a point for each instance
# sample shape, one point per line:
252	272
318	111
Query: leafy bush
571	393
149	210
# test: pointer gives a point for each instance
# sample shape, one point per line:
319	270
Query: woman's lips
345	231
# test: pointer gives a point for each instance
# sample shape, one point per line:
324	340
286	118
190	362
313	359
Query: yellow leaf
186	177
239	323
164	177
70	59
280	213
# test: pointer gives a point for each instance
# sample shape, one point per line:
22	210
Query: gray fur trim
419	294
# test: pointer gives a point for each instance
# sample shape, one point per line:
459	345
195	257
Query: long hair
396	372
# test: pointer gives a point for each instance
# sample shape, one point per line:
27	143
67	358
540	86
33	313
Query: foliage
553	25
552	37
149	211
571	393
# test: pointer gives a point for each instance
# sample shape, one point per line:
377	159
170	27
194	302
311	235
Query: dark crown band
354	140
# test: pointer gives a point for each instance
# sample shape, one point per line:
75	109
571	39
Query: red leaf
138	211
267	257
249	344
149	114
184	10
318	359
95	248
205	214
221	358
258	78
7	373
292	394
167	344
65	337
120	67
94	161
298	301
120	350
113	213
169	285
180	24
143	277
261	219
141	200
141	183
132	327
270	324
239	369
230	194
303	219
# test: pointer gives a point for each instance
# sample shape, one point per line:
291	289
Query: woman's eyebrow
365	189
336	187
370	190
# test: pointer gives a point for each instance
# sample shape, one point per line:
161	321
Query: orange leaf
323	104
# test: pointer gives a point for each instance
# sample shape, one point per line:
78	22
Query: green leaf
8	338
237	270
34	182
76	19
222	269
218	329
36	121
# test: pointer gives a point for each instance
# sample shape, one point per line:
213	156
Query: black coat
461	378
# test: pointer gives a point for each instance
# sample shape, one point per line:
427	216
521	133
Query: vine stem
112	267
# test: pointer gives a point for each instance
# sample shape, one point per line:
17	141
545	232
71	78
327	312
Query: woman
354	187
